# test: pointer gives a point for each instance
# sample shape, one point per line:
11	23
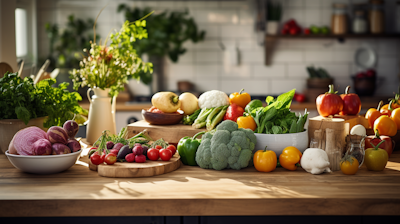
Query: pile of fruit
110	149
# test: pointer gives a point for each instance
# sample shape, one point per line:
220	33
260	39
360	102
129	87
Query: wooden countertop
193	191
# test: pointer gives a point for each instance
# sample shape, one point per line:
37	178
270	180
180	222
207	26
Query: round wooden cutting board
146	169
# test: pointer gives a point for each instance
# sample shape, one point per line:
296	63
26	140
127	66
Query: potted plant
25	104
105	69
274	15
168	31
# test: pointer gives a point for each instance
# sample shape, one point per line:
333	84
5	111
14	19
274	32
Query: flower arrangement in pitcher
111	66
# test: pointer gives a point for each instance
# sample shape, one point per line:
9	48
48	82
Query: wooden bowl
162	118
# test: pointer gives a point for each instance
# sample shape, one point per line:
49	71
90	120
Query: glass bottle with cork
376	16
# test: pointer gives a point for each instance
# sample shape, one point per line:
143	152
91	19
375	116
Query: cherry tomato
95	159
102	157
385	110
158	147
153	154
385	125
165	154
110	158
172	148
396	117
349	165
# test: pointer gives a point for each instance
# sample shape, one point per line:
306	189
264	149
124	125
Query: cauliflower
213	98
226	147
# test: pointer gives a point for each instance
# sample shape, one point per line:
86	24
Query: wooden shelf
333	36
270	40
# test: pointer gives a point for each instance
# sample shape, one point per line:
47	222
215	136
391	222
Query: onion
24	140
189	103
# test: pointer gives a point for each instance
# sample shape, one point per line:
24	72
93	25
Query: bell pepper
376	139
187	148
351	103
246	122
385	125
253	105
329	103
265	160
233	112
289	157
240	98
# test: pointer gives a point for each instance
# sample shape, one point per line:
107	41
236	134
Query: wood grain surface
170	133
193	191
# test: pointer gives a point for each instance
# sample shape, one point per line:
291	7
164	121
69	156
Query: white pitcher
101	114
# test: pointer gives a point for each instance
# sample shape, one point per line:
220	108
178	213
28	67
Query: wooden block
170	133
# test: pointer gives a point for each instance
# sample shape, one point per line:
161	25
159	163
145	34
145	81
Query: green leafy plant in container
167	33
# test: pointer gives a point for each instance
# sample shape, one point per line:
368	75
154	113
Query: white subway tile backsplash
211	56
207	71
253	87
312	17
275	70
237	31
206	84
232	23
287	56
218	16
297	71
252	56
313	56
279	86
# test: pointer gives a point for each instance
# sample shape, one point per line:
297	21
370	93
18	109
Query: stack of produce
110	149
56	141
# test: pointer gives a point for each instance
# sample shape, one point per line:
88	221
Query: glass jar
339	19
376	16
357	150
359	22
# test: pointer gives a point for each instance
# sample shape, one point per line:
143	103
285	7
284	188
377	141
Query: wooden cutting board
170	133
125	169
146	169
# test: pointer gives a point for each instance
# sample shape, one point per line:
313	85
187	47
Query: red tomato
172	148
95	159
351	103
329	103
158	147
300	98
153	154
102	157
165	154
110	158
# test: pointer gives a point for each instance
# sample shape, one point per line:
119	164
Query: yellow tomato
349	165
385	125
265	160
396	117
289	157
246	122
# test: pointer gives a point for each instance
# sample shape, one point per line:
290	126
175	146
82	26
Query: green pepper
187	148
253	105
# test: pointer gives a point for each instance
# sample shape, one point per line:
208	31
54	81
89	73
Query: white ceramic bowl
47	164
277	142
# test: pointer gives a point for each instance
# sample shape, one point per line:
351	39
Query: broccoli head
226	147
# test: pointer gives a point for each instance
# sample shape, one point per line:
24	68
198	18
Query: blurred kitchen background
234	53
